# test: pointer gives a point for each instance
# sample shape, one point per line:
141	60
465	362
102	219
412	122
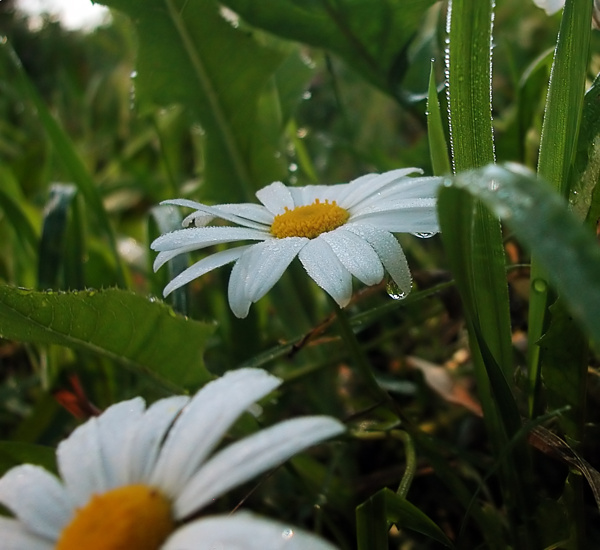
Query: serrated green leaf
190	55
145	336
372	36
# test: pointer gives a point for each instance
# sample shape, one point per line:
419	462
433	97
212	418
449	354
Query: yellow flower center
134	517
310	220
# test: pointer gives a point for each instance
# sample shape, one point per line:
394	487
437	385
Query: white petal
237	290
327	271
80	463
276	197
363	187
251	456
356	254
230	213
37	498
551	6
267	261
242	531
205	265
389	251
143	447
254	212
116	426
414	216
201	237
398	192
13	536
309	193
204	422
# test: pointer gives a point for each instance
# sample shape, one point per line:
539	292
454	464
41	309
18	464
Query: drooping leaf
145	336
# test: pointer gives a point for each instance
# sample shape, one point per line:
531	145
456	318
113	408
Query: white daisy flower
133	477
336	231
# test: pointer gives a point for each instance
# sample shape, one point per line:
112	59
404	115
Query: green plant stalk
477	252
411	462
360	359
558	145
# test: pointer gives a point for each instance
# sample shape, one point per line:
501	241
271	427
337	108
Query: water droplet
394	291
539	285
424	235
293	167
133	74
287	534
306	95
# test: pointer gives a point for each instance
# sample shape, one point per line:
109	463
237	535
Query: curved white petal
267	261
242	531
237	290
80	463
327	271
251	456
362	188
356	254
143	446
389	251
401	192
417	216
201	237
309	193
231	213
276	197
551	6
250	211
116	426
13	536
37	498
205	265
204	422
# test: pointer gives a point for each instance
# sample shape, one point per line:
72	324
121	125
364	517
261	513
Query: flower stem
411	462
360	359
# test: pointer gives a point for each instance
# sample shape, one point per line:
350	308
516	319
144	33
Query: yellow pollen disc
134	517
310	220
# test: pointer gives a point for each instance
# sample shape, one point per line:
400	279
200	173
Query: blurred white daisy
552	6
134	477
336	231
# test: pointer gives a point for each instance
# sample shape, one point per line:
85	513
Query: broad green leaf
190	55
372	36
385	507
540	219
145	336
13	453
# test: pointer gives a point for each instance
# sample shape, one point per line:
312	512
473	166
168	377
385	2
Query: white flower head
550	6
134	476
337	231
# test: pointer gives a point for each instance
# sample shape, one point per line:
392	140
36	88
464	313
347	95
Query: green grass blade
438	146
69	156
558	146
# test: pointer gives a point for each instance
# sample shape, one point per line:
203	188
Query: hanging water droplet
287	534
424	235
394	291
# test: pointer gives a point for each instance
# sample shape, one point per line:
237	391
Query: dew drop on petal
424	235
287	534
394	290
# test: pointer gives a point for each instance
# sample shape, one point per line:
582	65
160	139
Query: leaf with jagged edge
145	336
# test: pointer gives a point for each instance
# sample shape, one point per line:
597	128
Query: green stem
411	462
360	359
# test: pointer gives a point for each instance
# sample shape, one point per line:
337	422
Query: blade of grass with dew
67	153
52	243
557	150
438	146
